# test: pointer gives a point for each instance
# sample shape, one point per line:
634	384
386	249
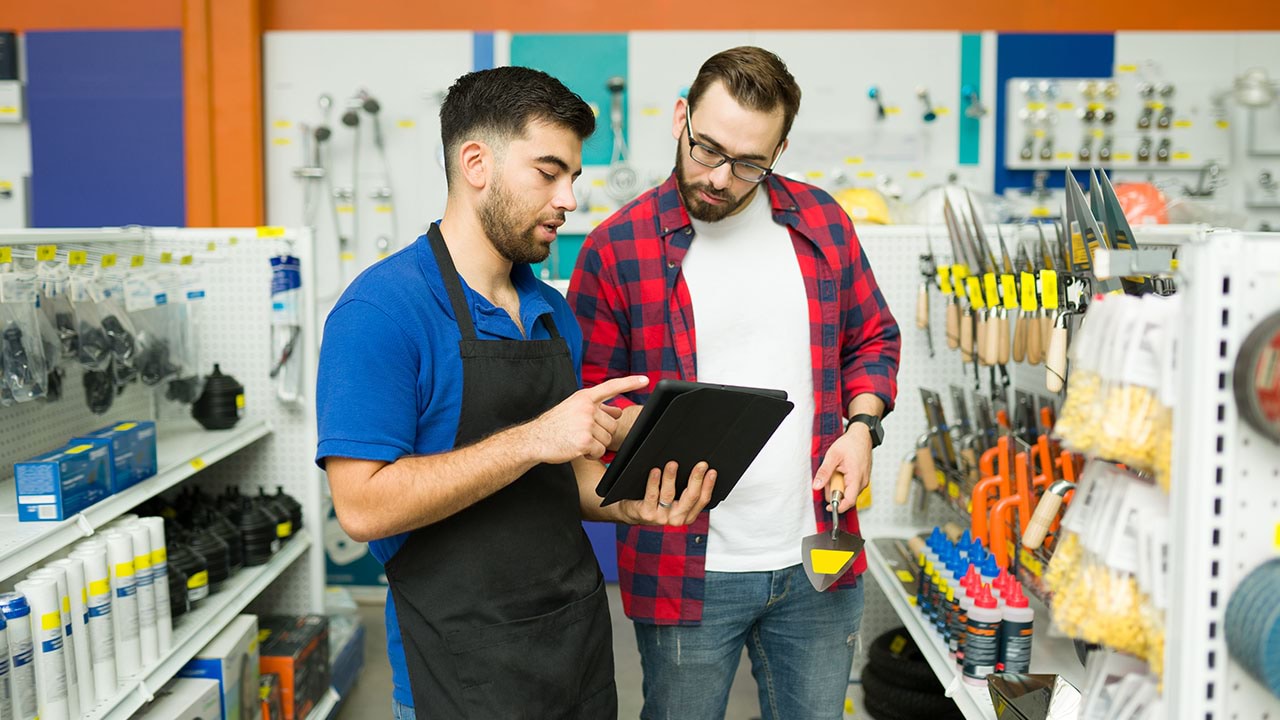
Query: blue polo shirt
390	376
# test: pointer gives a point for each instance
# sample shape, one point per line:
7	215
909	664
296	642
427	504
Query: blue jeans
800	641
402	712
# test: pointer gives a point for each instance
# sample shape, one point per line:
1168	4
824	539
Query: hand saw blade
1090	233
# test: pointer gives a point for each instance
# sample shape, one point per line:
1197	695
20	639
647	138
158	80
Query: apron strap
453	286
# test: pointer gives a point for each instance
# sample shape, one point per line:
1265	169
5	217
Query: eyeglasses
710	157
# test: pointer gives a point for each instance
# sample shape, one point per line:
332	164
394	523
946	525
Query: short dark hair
753	76
501	102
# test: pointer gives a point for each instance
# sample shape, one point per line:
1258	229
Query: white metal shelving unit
271	446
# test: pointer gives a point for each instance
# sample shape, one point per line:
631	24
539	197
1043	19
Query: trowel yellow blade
828	562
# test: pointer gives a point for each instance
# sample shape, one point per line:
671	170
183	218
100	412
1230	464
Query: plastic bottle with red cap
1015	630
982	640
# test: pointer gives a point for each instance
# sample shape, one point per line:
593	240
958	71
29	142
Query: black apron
502	606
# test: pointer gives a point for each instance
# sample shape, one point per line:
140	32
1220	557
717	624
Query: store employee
454	440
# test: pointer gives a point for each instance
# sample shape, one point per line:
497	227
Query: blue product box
231	658
59	484
133	451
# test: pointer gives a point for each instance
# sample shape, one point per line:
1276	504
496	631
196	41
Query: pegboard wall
1225	492
235	332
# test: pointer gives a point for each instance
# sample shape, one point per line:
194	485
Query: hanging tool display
928	274
623	182
383	194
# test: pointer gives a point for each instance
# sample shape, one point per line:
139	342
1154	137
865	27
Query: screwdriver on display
928	271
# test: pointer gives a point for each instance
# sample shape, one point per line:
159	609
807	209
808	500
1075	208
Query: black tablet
689	422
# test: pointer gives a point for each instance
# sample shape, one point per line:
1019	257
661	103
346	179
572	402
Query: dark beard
699	209
500	219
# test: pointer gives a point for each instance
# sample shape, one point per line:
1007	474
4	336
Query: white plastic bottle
78	592
148	635
6	696
69	652
102	634
160	581
1015	631
22	669
46	634
124	603
982	640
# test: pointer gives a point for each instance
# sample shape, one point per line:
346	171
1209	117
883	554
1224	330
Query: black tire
907	703
906	668
880	711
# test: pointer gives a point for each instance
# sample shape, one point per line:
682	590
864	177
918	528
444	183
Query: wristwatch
873	424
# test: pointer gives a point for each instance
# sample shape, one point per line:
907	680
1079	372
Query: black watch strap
873	424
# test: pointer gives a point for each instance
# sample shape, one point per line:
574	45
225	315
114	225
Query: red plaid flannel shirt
634	307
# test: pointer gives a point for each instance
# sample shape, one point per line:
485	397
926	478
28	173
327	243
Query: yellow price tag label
234	241
1064	155
650	111
384	209
1096	106
898	644
1278	536
1182	123
815	175
1038	133
406	123
1049	289
270	231
953	489
284	529
1028	292
282	124
109	260
975	292
46	253
1030	562
1155	105
166	258
905	576
281	141
1127	68
197	463
122	427
944	279
993	292
137	260
1098	133
854	160
1040	212
212	246
240	401
1008	291
347	256
892	110
1223	124
345	209
1065	105
598	182
865	174
599	209
8	110
6	255
1033	106
186	260
943	110
1123	156
77	257
1182	156
915	174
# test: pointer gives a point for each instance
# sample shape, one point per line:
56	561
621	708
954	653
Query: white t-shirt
751	320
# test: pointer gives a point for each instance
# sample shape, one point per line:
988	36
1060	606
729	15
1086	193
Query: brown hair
753	76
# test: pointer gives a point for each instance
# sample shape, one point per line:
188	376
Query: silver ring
662	504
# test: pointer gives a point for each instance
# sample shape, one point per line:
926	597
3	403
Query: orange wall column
222	49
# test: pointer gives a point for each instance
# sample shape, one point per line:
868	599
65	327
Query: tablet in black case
689	422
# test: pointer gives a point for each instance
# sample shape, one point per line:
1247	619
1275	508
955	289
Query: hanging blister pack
24	373
286	327
53	282
189	384
108	293
147	301
93	348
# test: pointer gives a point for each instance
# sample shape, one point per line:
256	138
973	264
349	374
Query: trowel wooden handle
1002	340
915	544
922	306
836	483
971	462
966	337
1041	519
980	348
928	472
1055	362
903	489
1020	330
1046	330
953	325
1035	344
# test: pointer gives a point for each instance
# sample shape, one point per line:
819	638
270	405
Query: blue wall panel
1037	55
106	121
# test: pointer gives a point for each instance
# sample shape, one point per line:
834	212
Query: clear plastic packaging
22	366
93	347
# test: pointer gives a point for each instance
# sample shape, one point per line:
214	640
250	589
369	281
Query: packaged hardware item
296	648
231	658
183	699
133	451
59	484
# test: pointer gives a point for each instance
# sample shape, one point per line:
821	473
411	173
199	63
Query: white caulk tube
102	634
124	603
46	632
160	581
78	593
